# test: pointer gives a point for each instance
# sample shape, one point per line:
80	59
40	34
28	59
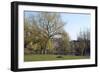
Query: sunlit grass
28	58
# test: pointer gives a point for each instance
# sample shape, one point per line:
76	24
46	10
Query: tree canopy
40	33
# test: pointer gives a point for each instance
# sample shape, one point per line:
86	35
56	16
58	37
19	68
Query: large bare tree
50	24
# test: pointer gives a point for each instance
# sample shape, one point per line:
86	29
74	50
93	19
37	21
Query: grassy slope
50	57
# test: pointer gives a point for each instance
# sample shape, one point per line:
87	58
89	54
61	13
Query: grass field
28	58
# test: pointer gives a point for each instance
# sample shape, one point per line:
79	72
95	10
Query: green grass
28	58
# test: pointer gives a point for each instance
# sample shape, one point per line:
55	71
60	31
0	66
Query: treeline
45	34
82	45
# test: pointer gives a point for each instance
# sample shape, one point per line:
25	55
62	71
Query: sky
74	22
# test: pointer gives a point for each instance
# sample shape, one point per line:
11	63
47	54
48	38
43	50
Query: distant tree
84	41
